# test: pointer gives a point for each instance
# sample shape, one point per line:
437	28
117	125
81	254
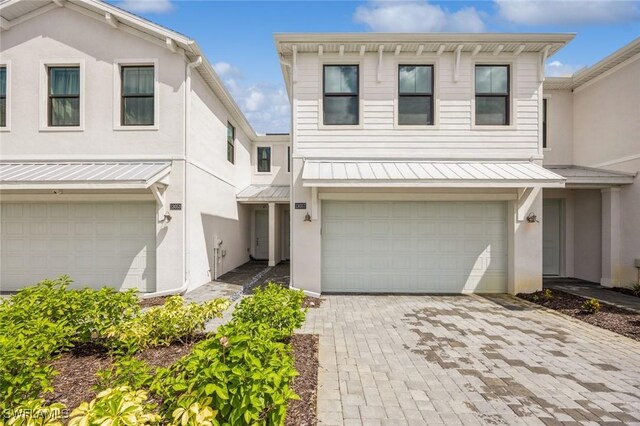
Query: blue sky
237	36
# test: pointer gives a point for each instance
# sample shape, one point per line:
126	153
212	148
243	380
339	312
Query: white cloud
558	69
265	105
417	16
568	12
147	6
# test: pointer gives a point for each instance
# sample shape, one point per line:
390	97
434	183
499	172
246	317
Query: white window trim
117	86
434	61
513	100
270	172
7	65
341	60
44	96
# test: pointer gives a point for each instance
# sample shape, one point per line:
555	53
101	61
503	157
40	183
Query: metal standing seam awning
82	175
451	174
589	177
264	194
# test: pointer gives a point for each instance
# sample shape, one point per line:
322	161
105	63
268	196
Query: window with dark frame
63	104
415	94
492	95
341	95
544	122
137	95
3	96
231	140
289	159
264	159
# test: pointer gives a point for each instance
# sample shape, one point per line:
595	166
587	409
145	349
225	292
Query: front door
262	234
551	230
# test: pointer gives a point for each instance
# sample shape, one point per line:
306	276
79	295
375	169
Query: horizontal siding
377	136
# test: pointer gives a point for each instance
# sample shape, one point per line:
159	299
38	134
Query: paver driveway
468	360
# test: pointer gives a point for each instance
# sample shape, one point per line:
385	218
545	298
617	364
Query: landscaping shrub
195	414
35	413
590	306
275	307
162	325
115	407
547	294
635	288
125	371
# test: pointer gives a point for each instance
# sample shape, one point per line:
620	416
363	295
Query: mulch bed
623	290
153	301
77	369
609	317
302	412
311	302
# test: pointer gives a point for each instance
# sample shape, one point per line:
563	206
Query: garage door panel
95	244
414	247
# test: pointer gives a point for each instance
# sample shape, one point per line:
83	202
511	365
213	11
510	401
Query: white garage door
96	244
414	247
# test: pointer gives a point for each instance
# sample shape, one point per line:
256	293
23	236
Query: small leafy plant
547	294
35	413
635	288
125	371
116	407
590	306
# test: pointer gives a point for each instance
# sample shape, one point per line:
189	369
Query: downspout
185	259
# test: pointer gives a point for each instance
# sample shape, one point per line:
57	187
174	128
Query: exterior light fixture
167	217
307	217
532	218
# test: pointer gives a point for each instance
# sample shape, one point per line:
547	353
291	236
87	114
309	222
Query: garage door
96	244
414	247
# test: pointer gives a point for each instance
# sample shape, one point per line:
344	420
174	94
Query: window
492	95
289	159
3	96
137	100
340	102
264	159
544	123
415	94
231	139
64	96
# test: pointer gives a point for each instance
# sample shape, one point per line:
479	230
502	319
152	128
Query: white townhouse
418	164
123	159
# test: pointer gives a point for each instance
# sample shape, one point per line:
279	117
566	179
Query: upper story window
492	95
289	159
137	95
231	140
340	100
544	123
3	96
415	94
264	159
64	96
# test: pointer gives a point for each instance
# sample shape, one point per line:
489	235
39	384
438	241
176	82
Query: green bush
278	308
590	306
116	407
162	325
126	371
547	294
635	288
35	413
195	415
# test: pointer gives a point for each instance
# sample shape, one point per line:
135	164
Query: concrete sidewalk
592	290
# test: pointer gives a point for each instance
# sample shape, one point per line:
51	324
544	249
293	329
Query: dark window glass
138	104
3	96
544	123
341	89
64	96
415	94
492	94
289	159
231	139
264	159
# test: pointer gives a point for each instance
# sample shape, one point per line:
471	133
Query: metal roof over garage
586	176
264	194
82	175
327	173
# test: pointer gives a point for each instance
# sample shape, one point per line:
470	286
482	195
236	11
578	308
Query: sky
237	36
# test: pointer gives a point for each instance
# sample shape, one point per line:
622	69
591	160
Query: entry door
262	234
551	229
287	235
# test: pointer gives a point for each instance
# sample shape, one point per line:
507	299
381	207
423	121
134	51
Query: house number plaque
301	206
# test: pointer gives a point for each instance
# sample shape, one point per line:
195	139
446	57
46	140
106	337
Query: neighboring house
417	163
122	155
592	227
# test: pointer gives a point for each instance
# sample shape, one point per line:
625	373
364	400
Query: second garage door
414	247
96	244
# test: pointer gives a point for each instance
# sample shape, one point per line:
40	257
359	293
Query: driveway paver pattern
468	360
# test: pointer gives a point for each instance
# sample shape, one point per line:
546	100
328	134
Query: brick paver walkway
468	360
592	290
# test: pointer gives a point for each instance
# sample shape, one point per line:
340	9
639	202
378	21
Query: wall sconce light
307	217
167	217
532	218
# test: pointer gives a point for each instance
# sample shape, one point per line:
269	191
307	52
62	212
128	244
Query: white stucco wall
559	149
279	174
